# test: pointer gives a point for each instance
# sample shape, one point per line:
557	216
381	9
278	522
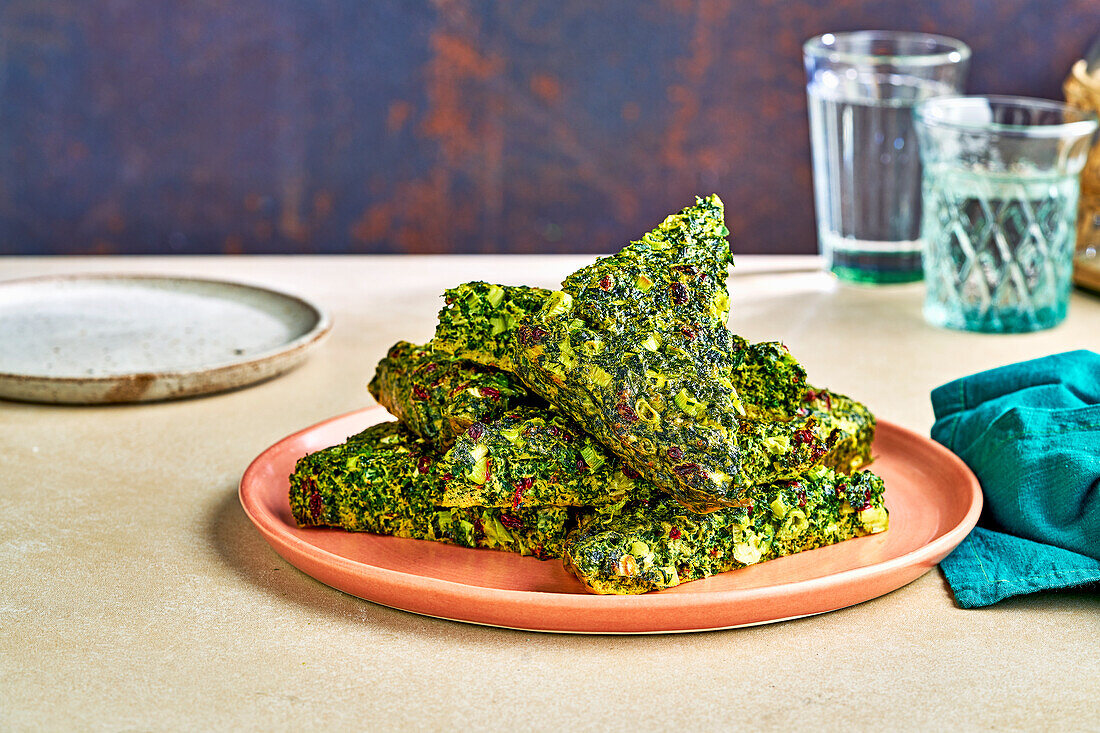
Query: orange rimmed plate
933	498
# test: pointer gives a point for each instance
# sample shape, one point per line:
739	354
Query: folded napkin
1031	434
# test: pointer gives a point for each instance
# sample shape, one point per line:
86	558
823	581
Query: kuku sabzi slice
537	531
485	398
438	397
643	547
673	278
845	426
770	382
479	318
373	482
532	457
382	480
663	402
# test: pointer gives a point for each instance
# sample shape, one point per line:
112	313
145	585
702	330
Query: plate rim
922	558
321	323
288	351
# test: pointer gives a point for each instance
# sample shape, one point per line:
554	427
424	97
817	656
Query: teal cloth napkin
1031	433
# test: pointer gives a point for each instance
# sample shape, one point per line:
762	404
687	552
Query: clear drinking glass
861	89
1000	191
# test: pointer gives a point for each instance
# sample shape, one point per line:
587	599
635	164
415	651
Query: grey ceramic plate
137	338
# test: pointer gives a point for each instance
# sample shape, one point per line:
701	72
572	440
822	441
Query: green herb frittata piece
674	277
647	366
638	548
383	480
844	426
770	382
532	457
479	318
438	397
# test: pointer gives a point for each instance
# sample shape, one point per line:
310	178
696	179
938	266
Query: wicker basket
1083	90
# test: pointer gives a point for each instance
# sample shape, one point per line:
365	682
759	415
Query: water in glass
1000	248
867	175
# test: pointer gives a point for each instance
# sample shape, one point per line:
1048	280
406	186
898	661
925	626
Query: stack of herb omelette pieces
616	424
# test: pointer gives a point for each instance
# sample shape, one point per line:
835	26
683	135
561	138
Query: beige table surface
135	594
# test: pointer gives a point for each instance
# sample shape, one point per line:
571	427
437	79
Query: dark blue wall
351	126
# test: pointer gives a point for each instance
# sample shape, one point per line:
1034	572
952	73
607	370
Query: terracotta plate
933	498
88	339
